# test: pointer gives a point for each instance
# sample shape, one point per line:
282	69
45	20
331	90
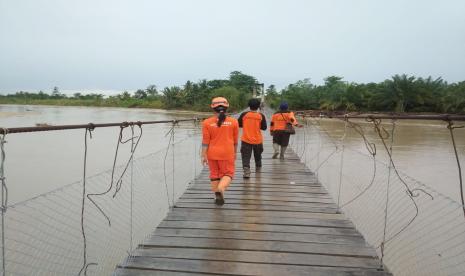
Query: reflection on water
40	162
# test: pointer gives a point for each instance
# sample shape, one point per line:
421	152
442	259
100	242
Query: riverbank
109	102
129	103
29	109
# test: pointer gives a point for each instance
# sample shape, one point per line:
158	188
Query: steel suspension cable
451	128
410	192
173	164
386	208
85	265
133	149
341	165
119	183
4	195
170	142
371	148
84	126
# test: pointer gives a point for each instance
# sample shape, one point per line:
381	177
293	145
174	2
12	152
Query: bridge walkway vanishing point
281	221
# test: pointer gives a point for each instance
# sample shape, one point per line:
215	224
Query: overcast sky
117	45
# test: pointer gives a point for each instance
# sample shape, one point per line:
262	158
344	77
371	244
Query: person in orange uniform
277	127
219	144
252	122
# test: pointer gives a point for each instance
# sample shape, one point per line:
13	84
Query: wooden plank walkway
281	221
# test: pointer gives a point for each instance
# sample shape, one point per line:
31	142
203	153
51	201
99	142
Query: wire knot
5	131
124	125
412	194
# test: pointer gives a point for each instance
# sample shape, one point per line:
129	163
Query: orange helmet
219	101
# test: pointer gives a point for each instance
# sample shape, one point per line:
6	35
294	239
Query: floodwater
421	235
421	149
37	163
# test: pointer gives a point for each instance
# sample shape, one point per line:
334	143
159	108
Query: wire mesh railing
416	229
71	231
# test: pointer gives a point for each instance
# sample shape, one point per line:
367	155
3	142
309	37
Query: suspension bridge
280	221
313	213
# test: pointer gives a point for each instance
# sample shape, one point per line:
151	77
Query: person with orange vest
219	144
252	122
279	121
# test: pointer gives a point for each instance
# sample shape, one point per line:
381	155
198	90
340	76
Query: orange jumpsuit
222	143
278	125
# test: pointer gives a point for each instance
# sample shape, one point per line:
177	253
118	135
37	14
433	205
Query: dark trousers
246	153
281	138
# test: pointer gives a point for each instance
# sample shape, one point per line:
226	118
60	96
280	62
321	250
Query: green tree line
191	96
401	93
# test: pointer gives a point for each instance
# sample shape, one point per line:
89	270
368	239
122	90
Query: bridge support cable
170	146
131	221
341	166
173	163
196	133
388	185
85	264
4	194
84	126
451	127
371	148
416	229
56	233
383	135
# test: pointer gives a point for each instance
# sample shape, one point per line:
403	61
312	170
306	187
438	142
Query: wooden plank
255	213
276	175
259	236
151	272
271	171
256	207
281	221
262	185
269	246
261	198
304	190
238	268
260	227
253	184
258	257
276	170
246	202
271	182
289	163
258	193
316	222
